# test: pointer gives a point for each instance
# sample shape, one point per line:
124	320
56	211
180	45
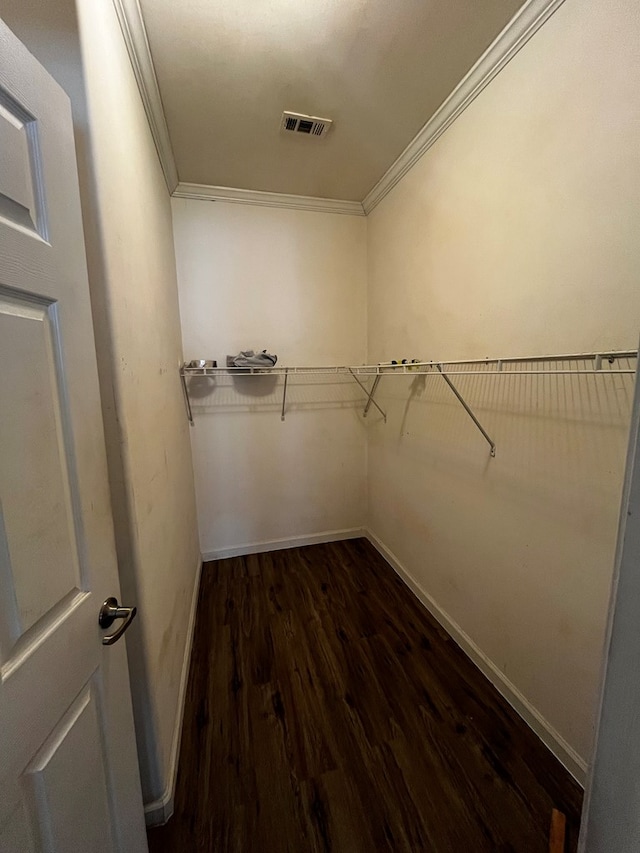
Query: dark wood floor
327	711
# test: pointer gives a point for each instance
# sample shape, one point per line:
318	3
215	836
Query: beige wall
516	234
128	233
147	432
293	282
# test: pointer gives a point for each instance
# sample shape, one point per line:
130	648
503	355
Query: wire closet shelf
594	364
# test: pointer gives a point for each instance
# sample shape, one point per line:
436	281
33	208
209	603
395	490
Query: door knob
109	612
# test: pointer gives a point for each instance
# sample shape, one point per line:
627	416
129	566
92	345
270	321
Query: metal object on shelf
201	365
195	367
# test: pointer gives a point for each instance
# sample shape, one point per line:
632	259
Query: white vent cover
306	125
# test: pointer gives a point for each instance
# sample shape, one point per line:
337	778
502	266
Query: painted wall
516	234
131	261
293	282
147	433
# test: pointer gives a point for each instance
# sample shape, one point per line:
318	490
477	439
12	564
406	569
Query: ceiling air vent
307	125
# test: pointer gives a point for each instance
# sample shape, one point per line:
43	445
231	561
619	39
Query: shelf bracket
185	391
369	394
461	400
284	394
371	400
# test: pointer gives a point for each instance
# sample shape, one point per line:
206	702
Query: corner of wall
574	763
159	810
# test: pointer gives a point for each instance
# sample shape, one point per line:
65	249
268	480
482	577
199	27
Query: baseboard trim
280	544
159	811
565	754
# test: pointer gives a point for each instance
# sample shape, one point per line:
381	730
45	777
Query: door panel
68	769
34	467
21	191
53	795
15	833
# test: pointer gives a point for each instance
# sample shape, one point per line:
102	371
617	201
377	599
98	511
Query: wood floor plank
326	710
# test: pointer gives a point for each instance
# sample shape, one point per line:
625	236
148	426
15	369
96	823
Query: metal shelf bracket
370	394
284	394
467	409
185	391
371	400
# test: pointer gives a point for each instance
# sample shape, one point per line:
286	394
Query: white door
68	768
611	814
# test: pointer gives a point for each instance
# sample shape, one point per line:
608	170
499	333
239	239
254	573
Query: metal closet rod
426	368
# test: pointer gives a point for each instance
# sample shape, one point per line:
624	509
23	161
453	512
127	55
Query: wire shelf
594	364
453	368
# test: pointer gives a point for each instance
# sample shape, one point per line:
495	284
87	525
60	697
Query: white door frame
611	813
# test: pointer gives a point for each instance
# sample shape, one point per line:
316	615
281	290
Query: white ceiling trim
203	192
514	36
135	37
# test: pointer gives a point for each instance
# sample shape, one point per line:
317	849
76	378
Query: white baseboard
279	544
159	811
547	734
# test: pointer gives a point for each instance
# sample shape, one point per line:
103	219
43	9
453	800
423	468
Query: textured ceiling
228	68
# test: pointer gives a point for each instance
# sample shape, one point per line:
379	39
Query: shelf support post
461	400
371	400
369	394
185	391
284	394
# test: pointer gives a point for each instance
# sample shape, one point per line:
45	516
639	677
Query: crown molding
204	192
135	37
525	23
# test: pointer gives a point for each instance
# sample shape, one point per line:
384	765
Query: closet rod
428	367
580	356
446	369
585	372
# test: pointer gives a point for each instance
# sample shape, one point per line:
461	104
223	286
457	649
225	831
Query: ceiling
228	68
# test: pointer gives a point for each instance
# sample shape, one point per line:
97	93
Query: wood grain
558	831
328	711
